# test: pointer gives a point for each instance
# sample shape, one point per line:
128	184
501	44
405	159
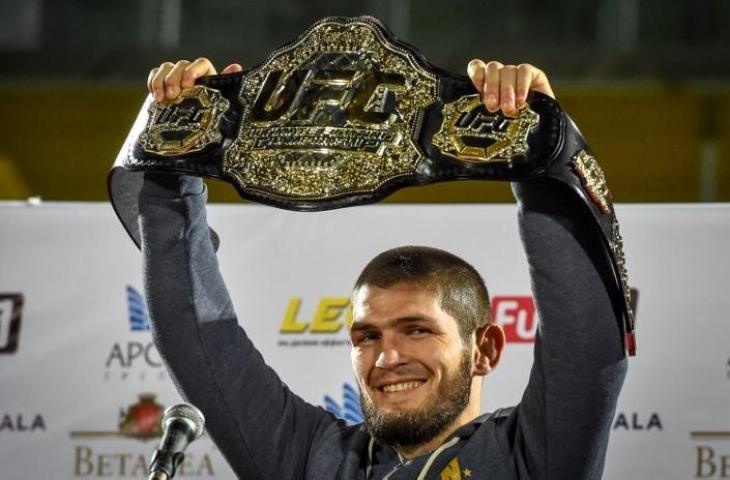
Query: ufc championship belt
347	114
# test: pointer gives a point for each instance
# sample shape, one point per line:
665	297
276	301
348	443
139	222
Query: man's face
413	369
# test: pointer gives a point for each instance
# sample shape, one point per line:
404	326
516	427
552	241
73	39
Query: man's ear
490	341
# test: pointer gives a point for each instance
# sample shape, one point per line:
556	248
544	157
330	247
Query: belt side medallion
187	124
617	246
469	132
593	180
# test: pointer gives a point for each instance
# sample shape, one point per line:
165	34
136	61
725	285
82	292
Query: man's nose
390	356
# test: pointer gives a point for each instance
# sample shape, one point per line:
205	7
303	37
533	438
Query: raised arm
263	429
565	416
560	429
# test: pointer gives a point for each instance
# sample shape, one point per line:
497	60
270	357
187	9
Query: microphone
181	424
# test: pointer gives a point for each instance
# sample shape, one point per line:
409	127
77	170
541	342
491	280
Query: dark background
646	80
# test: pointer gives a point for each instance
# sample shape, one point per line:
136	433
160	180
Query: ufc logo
476	124
325	94
517	317
183	115
10	310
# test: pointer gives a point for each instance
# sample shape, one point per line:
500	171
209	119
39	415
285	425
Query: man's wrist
164	185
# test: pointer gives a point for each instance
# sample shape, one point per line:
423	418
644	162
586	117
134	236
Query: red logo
517	316
143	419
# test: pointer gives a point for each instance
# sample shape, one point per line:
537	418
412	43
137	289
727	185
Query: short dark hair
460	289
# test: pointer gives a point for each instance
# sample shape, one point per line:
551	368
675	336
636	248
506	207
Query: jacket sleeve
564	419
263	429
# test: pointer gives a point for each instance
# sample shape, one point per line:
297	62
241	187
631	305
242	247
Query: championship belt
347	114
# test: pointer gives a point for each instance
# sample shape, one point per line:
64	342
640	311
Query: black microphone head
188	414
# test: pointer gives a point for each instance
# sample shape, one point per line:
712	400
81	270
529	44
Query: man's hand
167	81
505	87
502	87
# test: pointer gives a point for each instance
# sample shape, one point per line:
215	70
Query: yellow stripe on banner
711	435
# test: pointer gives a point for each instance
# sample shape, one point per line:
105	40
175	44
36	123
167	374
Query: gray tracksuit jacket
558	431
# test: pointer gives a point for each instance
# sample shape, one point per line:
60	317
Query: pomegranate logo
141	420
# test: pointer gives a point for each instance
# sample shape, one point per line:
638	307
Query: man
422	340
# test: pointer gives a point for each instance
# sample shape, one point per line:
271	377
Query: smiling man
422	340
418	313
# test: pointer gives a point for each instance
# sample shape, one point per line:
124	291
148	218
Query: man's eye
417	330
365	337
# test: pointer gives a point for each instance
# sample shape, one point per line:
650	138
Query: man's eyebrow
359	326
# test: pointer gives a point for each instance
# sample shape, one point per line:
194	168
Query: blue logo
350	411
138	320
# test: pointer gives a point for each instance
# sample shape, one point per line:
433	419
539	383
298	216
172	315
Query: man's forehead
399	296
368	292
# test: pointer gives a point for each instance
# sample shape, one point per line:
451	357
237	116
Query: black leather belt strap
345	115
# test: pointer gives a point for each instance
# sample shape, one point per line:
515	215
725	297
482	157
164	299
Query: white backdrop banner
82	386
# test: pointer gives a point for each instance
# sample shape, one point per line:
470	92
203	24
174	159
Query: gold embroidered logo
453	471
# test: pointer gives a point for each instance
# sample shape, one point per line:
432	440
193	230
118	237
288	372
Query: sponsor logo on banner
711	453
323	322
136	356
139	423
638	421
20	422
11	309
328	317
350	410
136	310
518	317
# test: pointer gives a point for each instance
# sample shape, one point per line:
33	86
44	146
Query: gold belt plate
332	114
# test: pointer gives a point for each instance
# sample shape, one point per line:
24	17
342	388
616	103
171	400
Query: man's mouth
401	386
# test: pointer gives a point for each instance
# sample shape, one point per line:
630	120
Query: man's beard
414	427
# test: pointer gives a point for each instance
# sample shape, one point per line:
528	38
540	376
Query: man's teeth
399	387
